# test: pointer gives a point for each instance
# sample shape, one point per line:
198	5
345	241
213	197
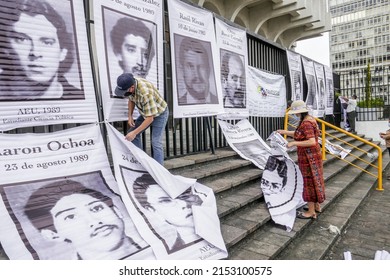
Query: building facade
360	37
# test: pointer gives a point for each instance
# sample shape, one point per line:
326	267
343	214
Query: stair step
189	160
211	168
244	221
230	201
232	179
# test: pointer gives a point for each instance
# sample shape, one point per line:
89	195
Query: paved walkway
369	229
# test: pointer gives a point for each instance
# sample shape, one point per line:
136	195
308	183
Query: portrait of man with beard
195	70
36	54
233	80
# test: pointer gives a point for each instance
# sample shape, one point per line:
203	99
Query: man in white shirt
351	111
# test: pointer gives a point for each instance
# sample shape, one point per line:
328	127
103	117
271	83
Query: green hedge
371	103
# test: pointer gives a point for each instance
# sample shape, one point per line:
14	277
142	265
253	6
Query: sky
316	49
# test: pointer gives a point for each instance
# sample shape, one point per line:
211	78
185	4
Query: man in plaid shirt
152	108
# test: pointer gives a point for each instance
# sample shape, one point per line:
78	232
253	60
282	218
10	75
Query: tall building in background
360	35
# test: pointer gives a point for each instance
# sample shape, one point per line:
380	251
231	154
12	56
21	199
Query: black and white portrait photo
330	94
274	179
311	99
194	71
76	217
233	79
282	186
170	219
297	85
322	95
39	58
131	46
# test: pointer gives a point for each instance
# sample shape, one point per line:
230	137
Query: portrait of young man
274	178
194	71
130	46
76	218
162	211
38	53
233	80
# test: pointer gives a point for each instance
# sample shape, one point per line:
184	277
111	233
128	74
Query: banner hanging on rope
130	36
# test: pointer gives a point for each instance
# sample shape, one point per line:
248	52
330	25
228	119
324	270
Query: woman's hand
281	131
290	144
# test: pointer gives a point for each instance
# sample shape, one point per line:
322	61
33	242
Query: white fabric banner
320	76
59	199
329	90
244	139
45	73
335	149
130	36
278	143
312	90
233	51
282	186
176	215
195	61
266	94
296	79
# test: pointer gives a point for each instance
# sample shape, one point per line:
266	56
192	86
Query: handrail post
380	182
323	141
286	121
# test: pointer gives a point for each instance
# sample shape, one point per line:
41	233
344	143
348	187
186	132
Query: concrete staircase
247	227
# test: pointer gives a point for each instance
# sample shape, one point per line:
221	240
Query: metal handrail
324	125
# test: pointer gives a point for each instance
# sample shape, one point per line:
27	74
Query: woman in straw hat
309	159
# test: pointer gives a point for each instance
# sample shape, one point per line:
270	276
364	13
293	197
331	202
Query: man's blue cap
123	83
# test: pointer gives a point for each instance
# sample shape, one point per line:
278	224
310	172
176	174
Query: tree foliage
367	89
368	101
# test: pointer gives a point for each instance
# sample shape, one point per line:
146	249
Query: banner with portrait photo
233	52
329	89
320	76
196	78
45	66
244	139
312	97
129	34
282	187
176	215
266	93
296	79
59	199
335	149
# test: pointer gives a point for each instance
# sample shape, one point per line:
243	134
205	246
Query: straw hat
298	106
